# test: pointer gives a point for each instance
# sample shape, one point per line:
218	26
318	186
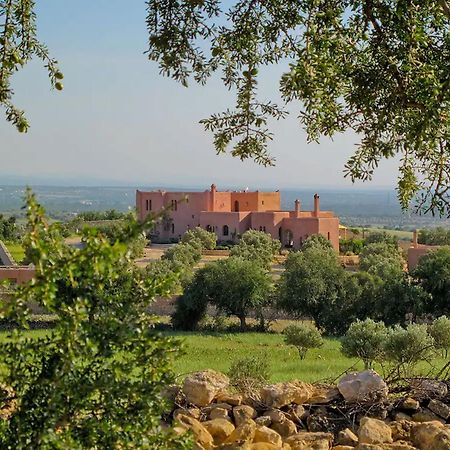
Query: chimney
297	206
414	239
316	204
212	197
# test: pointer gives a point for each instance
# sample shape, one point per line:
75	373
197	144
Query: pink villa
230	213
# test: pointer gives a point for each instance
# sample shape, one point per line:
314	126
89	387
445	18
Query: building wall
415	253
17	274
237	223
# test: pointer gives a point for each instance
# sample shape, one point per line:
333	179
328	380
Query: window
262	203
260	228
173	228
328	235
209	228
148	205
225	230
174	205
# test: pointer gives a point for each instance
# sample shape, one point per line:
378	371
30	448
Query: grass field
399	234
16	250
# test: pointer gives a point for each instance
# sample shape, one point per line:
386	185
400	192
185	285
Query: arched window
225	230
328	235
209	228
280	234
173	228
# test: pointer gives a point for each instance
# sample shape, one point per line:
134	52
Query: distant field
400	234
16	250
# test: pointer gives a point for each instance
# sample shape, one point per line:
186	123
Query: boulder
347	438
401	430
201	388
410	404
285	429
427	388
265	434
282	394
310	441
243	413
201	435
275	415
219	413
439	408
362	386
264	446
374	431
231	399
423	434
192	412
244	432
323	395
219	429
441	441
425	415
263	421
343	447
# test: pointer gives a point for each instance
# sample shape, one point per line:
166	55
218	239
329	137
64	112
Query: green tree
8	228
365	340
235	286
381	236
433	274
257	246
317	241
206	238
440	331
311	286
184	255
95	380
382	259
434	236
303	337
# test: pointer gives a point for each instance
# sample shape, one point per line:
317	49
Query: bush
183	255
440	332
206	239
317	241
365	340
303	337
351	246
249	374
382	236
407	346
382	259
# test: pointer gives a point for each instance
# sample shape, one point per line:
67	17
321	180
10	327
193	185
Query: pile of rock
357	414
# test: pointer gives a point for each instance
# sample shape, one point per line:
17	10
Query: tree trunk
243	323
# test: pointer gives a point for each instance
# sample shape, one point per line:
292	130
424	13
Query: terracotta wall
17	274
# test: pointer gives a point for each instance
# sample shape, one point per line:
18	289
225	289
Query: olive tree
207	239
378	68
440	332
303	337
96	379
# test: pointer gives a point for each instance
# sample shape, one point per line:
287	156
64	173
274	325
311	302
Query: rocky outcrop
201	388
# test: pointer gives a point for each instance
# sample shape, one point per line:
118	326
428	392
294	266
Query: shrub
303	337
382	236
183	255
206	239
317	241
249	374
365	340
382	259
407	346
440	332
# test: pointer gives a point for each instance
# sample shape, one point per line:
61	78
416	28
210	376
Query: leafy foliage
377	68
382	259
249	374
352	246
433	275
95	380
8	228
317	241
381	236
440	332
303	337
207	239
434	236
257	246
365	340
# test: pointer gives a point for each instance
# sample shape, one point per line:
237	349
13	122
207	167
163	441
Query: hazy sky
119	121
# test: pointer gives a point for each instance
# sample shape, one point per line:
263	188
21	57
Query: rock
439	408
263	421
323	394
264	446
318	422
297	413
191	412
285	428
425	388
201	388
343	447
219	429
310	441
242	413
201	435
362	386
374	431
347	438
219	413
401	429
441	440
244	445
169	393
401	416
423	434
282	394
264	434
244	432
410	404
275	415
425	415
401	445
231	399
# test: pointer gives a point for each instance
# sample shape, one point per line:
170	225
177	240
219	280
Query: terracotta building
231	213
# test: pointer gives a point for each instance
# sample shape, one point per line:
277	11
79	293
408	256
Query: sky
119	122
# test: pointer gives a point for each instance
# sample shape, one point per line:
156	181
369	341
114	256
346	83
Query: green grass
399	234
16	250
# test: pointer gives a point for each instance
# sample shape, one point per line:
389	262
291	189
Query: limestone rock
192	412
201	435
343	447
427	388
275	415
282	394
297	413
285	429
242	413
263	421
310	441
374	431
219	413
401	429
219	429
323	395
201	388
441	440
347	437
423	434
264	446
399	415
439	408
362	386
265	434
244	432
425	415
410	404
231	399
